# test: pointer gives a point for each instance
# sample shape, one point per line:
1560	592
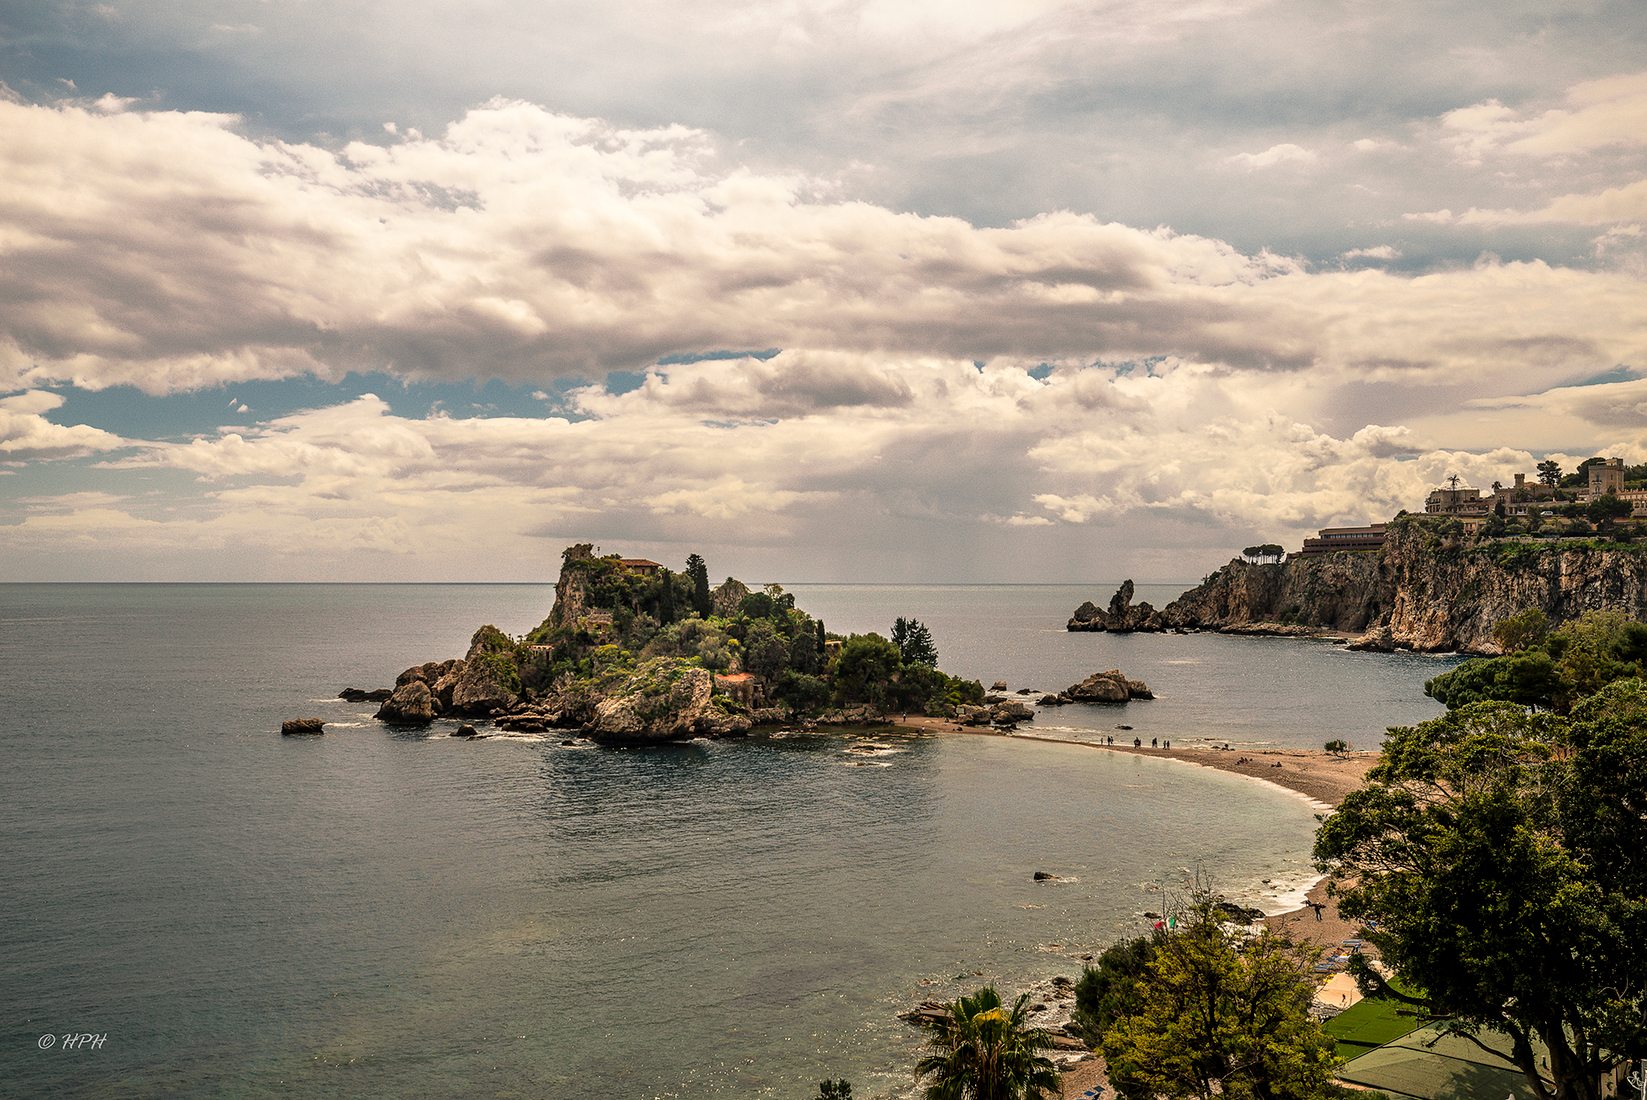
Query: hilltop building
640	565
1329	539
1606	478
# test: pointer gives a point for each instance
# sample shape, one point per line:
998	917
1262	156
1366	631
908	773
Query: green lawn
1368	1024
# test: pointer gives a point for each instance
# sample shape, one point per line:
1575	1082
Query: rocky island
632	651
1430	585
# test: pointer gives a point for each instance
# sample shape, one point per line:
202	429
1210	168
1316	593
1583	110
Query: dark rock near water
1107	687
294	727
358	695
1121	617
466	730
1045	876
411	704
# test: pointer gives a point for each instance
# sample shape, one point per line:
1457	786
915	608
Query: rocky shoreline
1427	589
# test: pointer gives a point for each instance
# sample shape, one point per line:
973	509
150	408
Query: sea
192	905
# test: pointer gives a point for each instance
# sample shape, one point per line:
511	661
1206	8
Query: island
1436	581
634	651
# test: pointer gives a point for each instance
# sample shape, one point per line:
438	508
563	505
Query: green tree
699	574
666	598
835	1090
1110	990
1503	855
981	1050
1337	747
914	642
822	638
1549	472
1528	678
765	653
1606	510
865	670
1522	630
1218	1015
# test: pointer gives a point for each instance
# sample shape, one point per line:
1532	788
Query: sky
849	290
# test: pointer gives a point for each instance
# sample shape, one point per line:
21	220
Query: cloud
1598	114
1374	252
1610	207
27	436
168	251
1285	153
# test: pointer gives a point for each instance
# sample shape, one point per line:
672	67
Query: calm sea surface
373	913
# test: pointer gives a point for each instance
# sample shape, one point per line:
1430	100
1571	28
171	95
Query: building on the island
1329	539
640	565
740	686
1638	502
1606	479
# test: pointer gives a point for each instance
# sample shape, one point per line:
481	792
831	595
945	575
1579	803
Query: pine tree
699	572
914	642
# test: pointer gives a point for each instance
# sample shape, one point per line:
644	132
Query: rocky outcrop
411	704
1111	686
1428	589
996	712
665	699
728	598
360	695
299	727
1121	617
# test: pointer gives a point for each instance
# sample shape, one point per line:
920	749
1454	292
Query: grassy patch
1368	1024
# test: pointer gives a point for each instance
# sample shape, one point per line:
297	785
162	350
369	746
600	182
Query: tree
914	642
666	599
982	1050
1607	509
1337	747
1503	855
765	653
1549	472
835	1090
699	573
1111	990
1217	1015
822	638
1522	630
865	669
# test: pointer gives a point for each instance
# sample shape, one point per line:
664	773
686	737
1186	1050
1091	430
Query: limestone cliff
1427	589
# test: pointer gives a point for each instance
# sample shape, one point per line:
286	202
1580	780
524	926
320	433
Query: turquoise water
374	913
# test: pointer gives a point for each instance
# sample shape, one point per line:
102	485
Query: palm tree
983	1051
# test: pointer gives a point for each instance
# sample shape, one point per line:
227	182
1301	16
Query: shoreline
1318	776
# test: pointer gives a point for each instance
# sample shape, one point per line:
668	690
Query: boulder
665	699
466	730
1051	701
483	684
1012	711
411	704
357	695
1108	687
998	685
1045	876
294	727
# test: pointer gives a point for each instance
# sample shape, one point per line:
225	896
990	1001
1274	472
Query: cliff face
1424	590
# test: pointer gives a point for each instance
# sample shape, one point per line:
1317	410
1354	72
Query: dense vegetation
1502	850
1548	669
1204	1010
610	619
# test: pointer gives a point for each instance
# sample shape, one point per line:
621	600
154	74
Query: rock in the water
1051	701
1108	687
998	685
665	699
302	726
357	695
411	704
466	730
1045	876
1122	616
1013	711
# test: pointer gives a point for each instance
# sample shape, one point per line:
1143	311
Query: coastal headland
1425	583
